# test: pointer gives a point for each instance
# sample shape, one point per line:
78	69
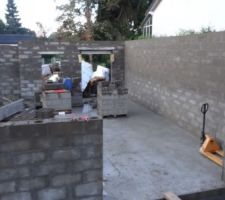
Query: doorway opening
96	66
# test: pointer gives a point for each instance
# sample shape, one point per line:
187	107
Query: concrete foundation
146	155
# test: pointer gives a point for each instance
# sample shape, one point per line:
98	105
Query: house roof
154	5
14	38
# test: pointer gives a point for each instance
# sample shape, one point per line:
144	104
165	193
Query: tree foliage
71	27
68	28
2	27
12	18
120	19
115	20
207	29
42	33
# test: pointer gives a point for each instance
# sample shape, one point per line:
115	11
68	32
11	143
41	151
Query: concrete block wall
9	72
30	61
51	160
118	67
174	76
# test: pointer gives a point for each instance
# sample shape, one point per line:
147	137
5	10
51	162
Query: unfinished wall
9	72
174	76
51	160
30	61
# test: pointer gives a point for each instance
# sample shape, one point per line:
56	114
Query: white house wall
173	15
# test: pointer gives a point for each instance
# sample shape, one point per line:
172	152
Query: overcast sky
32	11
44	11
173	15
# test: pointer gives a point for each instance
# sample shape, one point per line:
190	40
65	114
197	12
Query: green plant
207	29
186	32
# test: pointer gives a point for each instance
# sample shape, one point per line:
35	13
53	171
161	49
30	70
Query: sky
180	14
173	15
33	11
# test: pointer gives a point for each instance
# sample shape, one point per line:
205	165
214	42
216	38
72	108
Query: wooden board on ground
171	196
114	116
214	158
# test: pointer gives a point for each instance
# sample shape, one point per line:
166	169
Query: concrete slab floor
146	155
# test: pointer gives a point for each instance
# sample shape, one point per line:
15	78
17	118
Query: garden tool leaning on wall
210	148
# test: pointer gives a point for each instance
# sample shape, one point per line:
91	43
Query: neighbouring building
147	22
173	17
13	39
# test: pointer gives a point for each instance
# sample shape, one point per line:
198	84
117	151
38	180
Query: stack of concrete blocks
51	160
112	99
57	101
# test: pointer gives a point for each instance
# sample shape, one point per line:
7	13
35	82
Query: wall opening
96	66
51	62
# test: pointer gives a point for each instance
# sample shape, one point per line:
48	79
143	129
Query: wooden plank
221	153
51	52
171	196
95	52
214	158
96	48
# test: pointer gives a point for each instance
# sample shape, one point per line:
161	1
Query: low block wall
51	160
174	76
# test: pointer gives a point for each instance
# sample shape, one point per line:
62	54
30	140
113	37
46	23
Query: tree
2	27
13	25
12	18
42	33
122	16
116	19
26	31
87	8
71	27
